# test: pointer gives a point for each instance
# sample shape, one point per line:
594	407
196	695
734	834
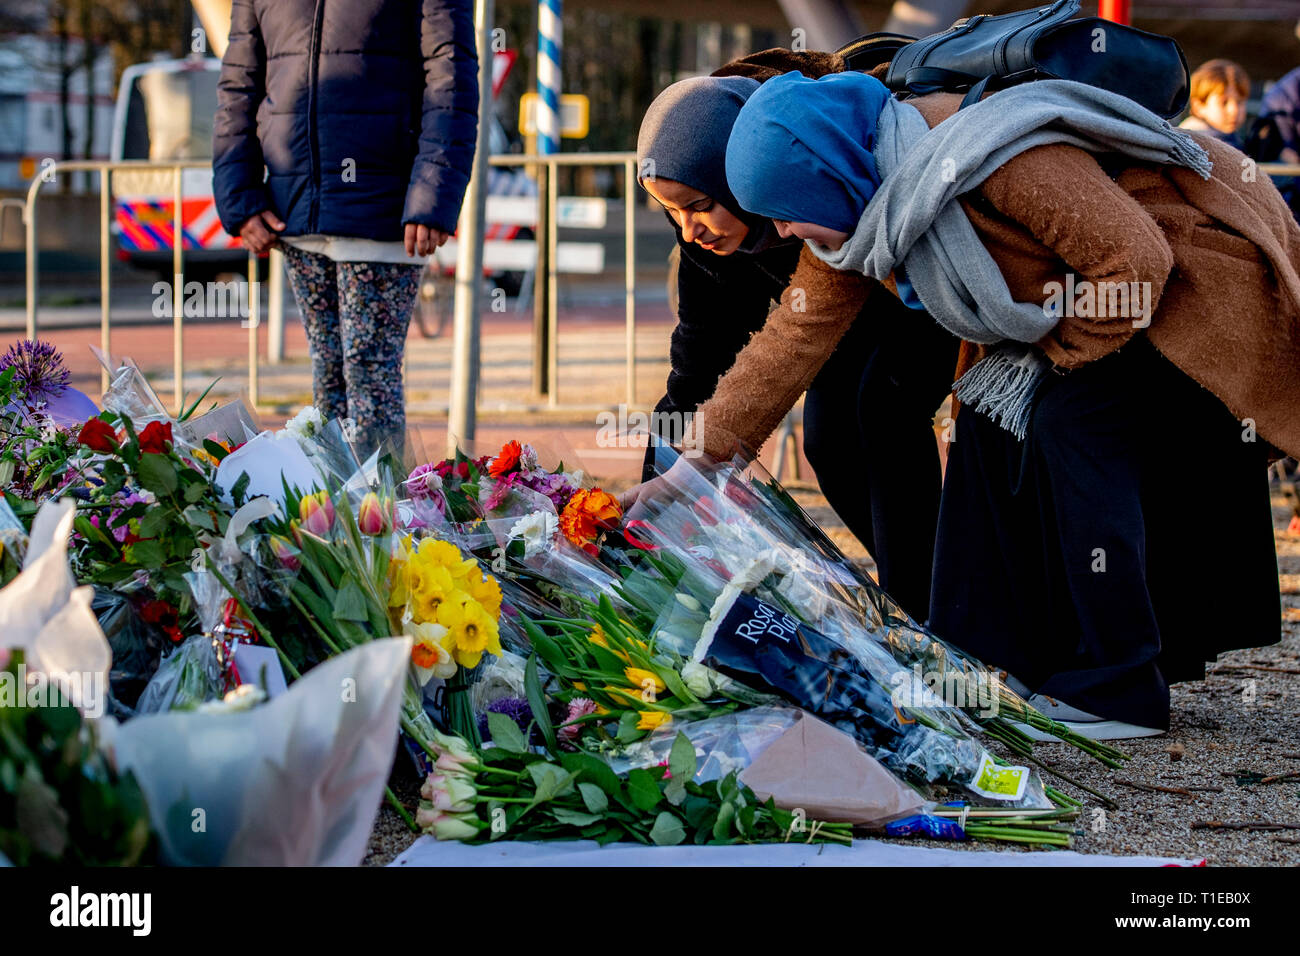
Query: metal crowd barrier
548	201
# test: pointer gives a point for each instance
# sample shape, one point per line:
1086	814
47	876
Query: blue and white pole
550	36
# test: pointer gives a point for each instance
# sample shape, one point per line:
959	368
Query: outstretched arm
783	358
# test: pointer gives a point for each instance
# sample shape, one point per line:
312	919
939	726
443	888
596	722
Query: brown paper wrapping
822	770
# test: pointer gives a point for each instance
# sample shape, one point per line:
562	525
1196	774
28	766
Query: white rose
243	697
698	679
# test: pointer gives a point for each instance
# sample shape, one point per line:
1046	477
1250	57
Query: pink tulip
285	552
317	514
374	516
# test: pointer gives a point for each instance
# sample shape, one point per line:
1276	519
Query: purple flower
516	708
39	371
559	487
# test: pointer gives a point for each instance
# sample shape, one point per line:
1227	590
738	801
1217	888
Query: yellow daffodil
486	591
445	554
470	631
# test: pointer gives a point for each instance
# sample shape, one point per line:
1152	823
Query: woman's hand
421	240
259	232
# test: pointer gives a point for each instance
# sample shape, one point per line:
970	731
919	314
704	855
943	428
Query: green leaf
185	415
239	489
584	766
681	759
154	522
350	602
147	554
627	729
676	686
551	781
215	450
668	830
643	786
593	797
722	826
157	473
194	491
505	733
537	701
575	817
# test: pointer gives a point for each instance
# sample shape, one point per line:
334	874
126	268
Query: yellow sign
575	115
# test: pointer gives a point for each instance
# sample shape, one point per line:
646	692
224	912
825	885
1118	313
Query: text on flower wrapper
766	623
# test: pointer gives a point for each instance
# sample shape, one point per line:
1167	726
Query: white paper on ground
295	782
254	661
270	459
426	851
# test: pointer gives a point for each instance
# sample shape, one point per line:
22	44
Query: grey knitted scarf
913	219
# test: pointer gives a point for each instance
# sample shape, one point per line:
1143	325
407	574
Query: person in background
1219	91
347	136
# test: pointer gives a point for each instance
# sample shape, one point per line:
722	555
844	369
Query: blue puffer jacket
363	113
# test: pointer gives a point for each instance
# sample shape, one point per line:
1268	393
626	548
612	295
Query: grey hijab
684	137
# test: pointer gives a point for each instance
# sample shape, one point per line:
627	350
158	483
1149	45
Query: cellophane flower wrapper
722	744
130	394
883	620
294	782
707	517
188	676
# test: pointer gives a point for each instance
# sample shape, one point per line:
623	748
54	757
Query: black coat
721	302
363	114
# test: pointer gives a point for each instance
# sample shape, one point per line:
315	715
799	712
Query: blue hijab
800	149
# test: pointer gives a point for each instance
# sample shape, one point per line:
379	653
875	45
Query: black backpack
981	53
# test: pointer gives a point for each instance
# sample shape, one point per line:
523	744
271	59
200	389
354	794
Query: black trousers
869	436
1126	542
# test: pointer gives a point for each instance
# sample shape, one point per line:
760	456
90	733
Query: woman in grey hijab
868	414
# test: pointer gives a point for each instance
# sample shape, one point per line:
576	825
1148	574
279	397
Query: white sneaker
1082	723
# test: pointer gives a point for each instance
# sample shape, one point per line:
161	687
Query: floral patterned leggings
356	315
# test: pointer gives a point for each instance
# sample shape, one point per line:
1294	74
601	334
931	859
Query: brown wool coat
1221	257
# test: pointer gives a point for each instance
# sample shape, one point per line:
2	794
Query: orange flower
506	459
600	506
589	510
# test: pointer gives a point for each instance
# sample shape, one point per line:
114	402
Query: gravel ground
1229	734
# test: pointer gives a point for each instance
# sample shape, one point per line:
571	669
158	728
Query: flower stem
401	810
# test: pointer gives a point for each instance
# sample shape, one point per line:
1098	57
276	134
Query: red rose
462	471
158	612
156	437
98	435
